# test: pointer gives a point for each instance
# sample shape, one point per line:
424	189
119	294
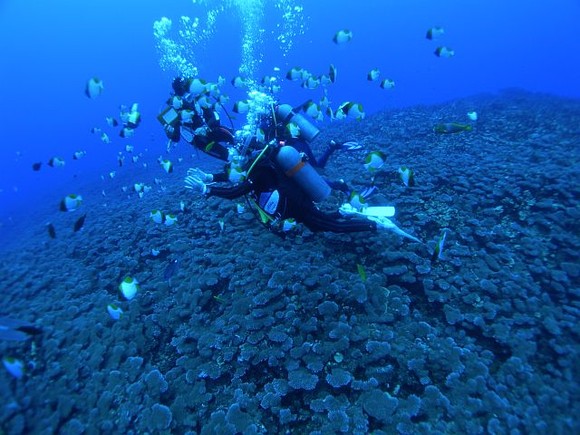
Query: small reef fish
94	88
157	216
374	160
311	82
357	201
239	82
111	122
14	366
434	33
56	162
170	219
114	311
197	86
77	155
105	138
242	106
293	130
166	165
79	223
472	116
407	176
129	287
36	166
353	110
438	251
451	127
288	224
71	202
444	52
387	84
373	75
313	110
295	73
332	72
342	36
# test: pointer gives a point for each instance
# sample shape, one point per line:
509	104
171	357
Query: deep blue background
50	48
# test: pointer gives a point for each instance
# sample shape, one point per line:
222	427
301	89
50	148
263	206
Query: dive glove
195	184
198	173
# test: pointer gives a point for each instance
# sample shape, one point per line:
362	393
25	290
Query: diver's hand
198	173
195	184
387	224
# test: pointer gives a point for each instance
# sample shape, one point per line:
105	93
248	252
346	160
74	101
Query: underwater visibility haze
135	301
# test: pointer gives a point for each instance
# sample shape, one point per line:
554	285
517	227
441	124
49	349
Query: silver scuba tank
286	114
308	179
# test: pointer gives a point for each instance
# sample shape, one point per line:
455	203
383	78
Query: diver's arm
232	192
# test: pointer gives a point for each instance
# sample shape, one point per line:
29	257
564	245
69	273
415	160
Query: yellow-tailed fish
166	165
374	161
71	202
373	75
170	219
94	88
77	155
288	224
444	52
56	162
114	311
197	86
129	287
14	366
313	110
311	82
242	106
387	84
294	74
342	36
157	216
434	33
332	73
451	127
407	176
357	201
353	110
239	82
293	130
438	251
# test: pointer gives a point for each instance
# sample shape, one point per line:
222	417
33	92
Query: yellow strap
209	146
256	161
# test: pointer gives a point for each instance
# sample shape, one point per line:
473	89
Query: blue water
50	50
317	332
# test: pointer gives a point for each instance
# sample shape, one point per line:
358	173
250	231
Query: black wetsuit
293	202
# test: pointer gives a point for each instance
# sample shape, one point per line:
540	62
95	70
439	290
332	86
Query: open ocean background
254	334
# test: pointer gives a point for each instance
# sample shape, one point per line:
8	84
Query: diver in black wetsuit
198	125
279	197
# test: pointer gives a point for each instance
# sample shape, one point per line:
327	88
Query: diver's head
180	86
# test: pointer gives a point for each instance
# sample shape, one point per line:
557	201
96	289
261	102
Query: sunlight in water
181	45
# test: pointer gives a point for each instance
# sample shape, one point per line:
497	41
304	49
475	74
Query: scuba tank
286	114
303	173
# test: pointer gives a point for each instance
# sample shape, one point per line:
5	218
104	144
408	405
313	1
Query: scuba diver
190	115
283	186
295	130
